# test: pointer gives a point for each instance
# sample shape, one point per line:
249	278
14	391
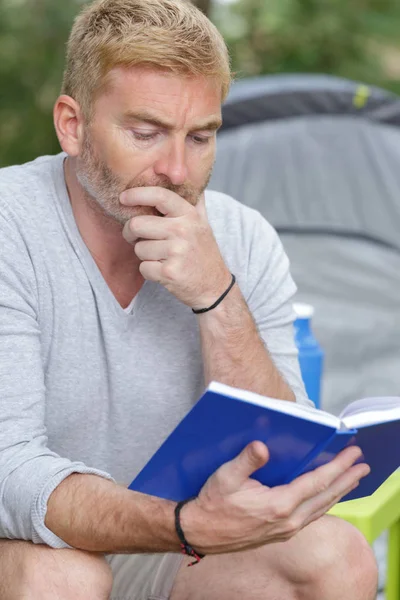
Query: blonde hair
171	35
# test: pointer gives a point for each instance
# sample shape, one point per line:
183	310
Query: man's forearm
94	514
234	353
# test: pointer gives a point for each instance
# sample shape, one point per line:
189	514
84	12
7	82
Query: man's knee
35	572
339	556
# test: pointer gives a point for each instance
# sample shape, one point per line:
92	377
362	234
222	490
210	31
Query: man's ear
68	122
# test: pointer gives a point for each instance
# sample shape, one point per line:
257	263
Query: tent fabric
355	289
283	96
330	184
336	174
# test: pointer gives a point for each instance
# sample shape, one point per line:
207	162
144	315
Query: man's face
150	128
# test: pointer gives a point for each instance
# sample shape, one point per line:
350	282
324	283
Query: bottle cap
303	311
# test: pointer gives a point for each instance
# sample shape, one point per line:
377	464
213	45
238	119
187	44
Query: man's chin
123	214
139	211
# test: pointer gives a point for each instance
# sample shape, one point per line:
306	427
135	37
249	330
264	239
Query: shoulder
24	189
27	213
221	207
249	244
236	225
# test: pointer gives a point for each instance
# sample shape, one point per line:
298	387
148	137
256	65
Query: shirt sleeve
29	470
270	291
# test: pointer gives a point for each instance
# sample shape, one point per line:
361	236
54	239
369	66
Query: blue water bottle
311	356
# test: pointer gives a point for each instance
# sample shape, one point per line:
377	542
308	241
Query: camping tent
319	157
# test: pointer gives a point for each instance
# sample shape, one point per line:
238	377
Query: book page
372	417
375	403
283	406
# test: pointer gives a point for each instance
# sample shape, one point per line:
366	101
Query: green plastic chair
374	515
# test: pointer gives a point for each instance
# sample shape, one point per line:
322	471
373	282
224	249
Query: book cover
299	439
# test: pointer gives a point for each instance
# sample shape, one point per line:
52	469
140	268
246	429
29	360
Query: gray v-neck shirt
85	386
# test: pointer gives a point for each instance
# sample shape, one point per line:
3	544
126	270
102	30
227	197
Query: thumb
233	474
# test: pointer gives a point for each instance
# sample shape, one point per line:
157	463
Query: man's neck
103	236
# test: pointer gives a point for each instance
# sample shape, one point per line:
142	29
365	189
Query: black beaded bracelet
185	546
199	311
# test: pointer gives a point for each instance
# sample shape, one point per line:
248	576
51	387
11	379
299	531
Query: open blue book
299	439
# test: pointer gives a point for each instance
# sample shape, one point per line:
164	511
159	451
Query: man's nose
172	162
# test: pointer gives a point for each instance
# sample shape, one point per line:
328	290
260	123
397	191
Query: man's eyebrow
211	124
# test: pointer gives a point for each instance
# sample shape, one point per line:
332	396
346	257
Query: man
106	249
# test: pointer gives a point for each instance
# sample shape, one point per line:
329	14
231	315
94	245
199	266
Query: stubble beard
103	187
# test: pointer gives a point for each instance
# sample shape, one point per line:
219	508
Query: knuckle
169	271
178	248
179	230
274	513
283	511
293	525
321	485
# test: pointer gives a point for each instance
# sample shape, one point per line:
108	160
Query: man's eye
198	139
143	137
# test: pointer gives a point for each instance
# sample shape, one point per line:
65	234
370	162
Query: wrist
211	299
205	532
186	547
229	317
194	527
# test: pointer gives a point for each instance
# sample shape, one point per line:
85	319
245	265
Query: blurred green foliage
33	34
348	38
351	38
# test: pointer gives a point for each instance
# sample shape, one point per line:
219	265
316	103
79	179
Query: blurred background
296	150
357	39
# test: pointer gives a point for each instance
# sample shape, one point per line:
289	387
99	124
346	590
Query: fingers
311	484
233	474
201	207
165	201
313	494
317	515
147	227
152	270
316	507
153	250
